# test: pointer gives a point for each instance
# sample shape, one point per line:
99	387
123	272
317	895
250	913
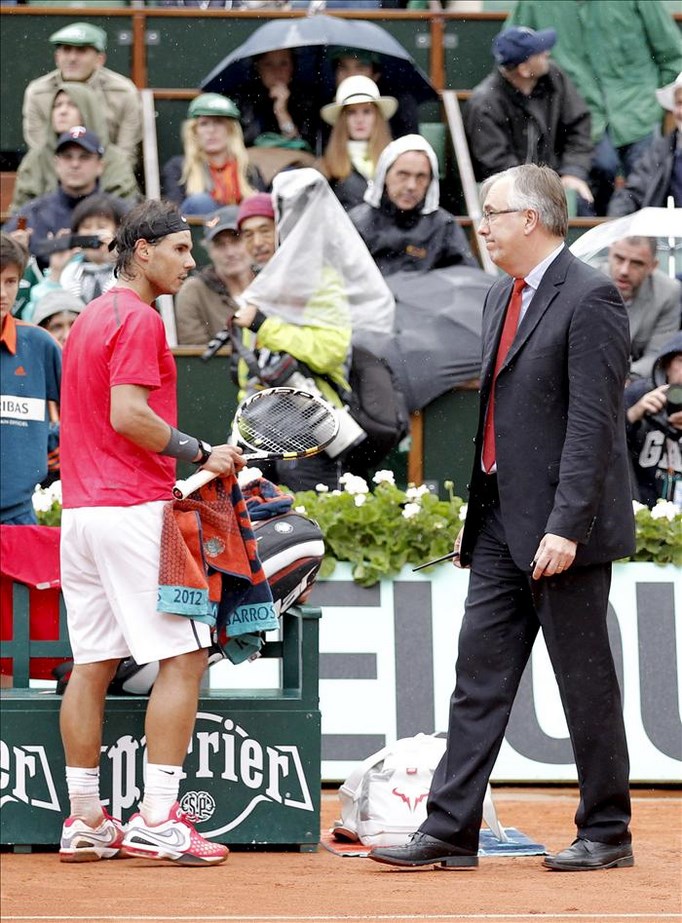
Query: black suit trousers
504	610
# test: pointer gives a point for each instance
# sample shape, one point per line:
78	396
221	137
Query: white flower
353	484
410	510
55	491
359	499
247	475
637	506
42	501
664	509
463	511
384	477
416	493
322	488
300	509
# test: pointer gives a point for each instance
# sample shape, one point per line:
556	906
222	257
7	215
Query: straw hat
358	89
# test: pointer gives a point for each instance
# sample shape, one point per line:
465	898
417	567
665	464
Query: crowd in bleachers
612	131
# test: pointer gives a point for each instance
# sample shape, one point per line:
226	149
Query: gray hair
539	188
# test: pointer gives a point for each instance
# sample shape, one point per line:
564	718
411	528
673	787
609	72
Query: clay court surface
286	887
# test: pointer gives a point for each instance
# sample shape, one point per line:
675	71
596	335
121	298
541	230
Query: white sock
83	787
161	787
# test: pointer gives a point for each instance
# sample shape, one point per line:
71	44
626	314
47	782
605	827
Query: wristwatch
205	450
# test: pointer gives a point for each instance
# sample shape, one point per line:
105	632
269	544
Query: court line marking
351	918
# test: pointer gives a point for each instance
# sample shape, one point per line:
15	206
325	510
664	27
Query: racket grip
183	489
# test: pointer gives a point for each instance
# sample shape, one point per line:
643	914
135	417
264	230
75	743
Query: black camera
673	399
46	248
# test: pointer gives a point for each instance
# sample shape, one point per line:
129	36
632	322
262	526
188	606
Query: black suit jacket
559	418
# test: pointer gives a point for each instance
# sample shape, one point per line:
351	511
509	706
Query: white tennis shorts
110	581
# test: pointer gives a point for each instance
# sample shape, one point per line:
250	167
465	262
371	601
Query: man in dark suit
549	510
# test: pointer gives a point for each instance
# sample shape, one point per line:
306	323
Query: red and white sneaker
82	843
174	839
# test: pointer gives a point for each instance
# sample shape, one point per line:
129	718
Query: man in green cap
80	54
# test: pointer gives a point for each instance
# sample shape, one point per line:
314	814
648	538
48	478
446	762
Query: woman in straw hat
359	116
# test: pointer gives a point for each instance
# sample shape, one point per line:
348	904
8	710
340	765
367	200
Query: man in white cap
80	54
657	176
400	220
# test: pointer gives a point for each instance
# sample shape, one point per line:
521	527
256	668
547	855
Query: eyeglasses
487	216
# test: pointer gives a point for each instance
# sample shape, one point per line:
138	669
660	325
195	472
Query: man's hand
580	186
651	402
245	315
456	547
675	419
555	554
225	459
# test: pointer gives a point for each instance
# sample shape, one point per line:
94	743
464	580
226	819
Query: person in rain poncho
400	220
318	287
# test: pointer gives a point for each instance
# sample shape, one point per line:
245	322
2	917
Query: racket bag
383	801
291	549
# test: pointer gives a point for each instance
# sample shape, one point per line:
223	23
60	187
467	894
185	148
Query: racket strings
285	423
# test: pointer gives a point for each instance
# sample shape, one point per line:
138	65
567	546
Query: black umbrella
437	340
312	35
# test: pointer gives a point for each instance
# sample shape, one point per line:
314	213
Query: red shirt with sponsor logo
117	340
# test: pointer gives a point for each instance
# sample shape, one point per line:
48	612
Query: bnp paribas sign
250	776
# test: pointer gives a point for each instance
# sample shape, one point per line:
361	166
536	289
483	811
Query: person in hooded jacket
400	220
73	104
654	428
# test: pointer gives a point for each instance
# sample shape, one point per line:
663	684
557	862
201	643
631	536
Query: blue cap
79	135
514	46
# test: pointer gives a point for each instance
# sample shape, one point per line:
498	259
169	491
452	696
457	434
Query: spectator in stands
651	298
654	428
205	304
214	169
528	111
56	312
30	378
400	220
78	165
73	104
351	62
360	133
90	271
657	175
275	103
80	54
616	54
256	226
297	314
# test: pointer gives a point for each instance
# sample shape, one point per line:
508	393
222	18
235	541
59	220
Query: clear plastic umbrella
663	223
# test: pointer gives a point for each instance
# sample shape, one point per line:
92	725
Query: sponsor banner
387	670
249	776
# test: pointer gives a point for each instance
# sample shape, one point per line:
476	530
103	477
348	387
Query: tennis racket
275	424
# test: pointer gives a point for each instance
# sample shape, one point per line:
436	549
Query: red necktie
511	322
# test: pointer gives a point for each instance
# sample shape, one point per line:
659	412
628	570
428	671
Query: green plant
47	503
659	533
380	531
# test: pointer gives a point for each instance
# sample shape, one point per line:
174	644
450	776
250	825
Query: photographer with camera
78	163
316	284
654	428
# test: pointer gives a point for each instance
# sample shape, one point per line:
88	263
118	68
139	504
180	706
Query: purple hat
514	46
79	135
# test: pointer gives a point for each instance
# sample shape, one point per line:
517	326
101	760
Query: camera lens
673	399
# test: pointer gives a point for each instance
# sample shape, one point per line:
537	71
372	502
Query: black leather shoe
422	849
588	856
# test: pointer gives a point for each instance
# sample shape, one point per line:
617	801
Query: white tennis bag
383	801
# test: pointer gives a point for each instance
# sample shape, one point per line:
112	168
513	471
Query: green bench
252	771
